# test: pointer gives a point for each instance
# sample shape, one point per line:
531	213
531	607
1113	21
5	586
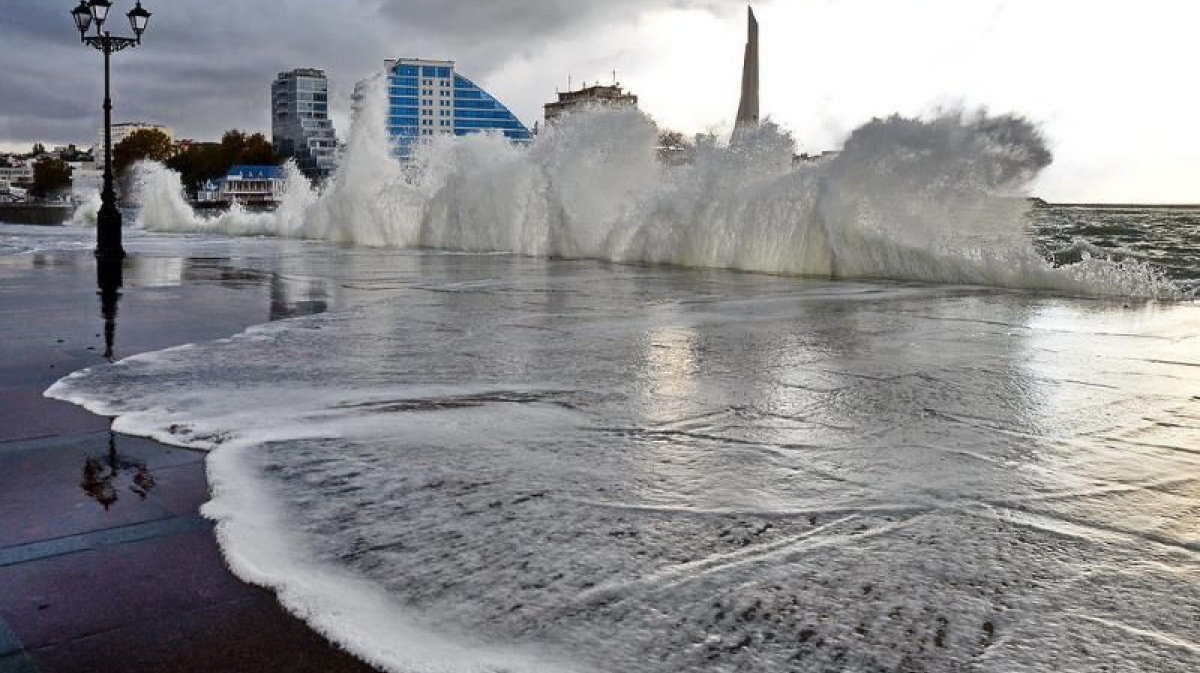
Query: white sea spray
936	200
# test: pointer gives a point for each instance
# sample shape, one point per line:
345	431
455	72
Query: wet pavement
105	561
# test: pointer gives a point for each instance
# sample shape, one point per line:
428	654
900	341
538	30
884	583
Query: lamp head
83	18
100	11
138	19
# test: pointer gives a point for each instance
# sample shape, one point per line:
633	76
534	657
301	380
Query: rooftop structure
427	98
598	94
300	124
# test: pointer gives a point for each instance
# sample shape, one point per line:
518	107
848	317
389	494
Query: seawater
1168	238
497	462
511	454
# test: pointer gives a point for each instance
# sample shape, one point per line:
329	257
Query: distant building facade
300	124
20	176
595	95
86	179
123	131
209	191
428	98
250	185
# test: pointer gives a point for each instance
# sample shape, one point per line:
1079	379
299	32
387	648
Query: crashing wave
938	200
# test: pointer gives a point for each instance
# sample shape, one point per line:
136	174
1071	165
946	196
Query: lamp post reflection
101	475
110	276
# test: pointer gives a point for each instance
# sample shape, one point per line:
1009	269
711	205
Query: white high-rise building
300	124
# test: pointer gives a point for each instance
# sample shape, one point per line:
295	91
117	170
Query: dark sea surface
1166	237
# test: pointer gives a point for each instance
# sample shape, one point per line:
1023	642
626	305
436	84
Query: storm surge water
937	200
497	463
542	462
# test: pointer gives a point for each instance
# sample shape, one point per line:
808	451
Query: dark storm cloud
502	22
207	66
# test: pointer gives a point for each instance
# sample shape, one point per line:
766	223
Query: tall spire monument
748	108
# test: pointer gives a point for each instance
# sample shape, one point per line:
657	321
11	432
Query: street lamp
91	13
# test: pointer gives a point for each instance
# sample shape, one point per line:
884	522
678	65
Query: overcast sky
1112	83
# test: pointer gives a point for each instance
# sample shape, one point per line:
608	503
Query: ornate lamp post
91	13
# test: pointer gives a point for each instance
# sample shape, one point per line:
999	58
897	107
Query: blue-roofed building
428	98
254	184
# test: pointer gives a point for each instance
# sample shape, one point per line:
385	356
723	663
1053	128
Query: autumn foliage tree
142	145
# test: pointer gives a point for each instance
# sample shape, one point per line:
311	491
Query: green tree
254	150
257	151
38	148
142	145
232	143
50	176
199	162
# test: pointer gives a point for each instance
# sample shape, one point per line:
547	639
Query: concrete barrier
31	213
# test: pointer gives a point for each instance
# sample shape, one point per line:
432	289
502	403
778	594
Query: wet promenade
105	562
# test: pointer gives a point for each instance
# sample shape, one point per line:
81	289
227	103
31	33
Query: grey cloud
203	66
504	21
207	66
484	35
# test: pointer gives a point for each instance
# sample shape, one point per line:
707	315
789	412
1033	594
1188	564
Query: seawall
26	213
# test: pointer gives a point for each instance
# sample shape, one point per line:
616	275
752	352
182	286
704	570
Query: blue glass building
428	98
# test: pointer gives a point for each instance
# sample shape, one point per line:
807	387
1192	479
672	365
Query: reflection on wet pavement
103	478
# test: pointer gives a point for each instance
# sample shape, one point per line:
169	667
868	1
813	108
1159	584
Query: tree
38	149
232	143
674	149
208	161
199	162
254	150
672	139
142	145
257	151
50	175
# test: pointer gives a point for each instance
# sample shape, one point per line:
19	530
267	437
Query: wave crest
937	200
